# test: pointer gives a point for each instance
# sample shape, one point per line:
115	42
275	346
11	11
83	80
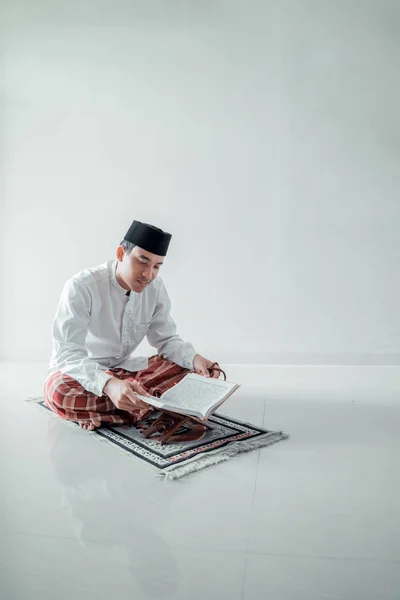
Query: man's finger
138	388
138	413
131	393
144	412
134	410
136	402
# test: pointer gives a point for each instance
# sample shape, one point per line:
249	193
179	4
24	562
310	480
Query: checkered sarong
68	399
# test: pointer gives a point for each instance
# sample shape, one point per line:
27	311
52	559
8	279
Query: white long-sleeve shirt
97	327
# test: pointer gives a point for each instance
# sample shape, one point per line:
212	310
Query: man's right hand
123	395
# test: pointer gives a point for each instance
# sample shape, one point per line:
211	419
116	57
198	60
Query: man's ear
120	253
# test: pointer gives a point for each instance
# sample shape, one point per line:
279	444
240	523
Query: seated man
103	315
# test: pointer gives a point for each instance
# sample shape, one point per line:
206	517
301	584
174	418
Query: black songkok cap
148	237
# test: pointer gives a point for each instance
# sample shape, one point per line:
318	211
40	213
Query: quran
194	396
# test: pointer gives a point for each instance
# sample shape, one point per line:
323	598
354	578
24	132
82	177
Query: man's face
137	269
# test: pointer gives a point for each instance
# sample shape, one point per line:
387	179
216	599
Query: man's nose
146	273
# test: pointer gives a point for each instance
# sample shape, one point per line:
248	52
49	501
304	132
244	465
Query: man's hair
127	246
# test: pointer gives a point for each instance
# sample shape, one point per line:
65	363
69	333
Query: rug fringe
191	467
175	472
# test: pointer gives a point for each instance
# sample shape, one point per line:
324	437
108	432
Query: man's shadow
110	510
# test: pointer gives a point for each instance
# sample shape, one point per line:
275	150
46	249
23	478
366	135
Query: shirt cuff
97	386
188	358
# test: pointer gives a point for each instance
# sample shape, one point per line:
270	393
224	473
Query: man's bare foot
90	425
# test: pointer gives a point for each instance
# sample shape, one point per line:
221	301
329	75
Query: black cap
148	237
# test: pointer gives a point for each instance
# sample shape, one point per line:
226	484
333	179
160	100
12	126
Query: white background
263	134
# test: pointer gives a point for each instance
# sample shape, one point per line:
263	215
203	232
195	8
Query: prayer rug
226	438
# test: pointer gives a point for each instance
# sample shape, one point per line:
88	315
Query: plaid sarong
68	399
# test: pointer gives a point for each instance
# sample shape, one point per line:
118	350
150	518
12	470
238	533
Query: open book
194	395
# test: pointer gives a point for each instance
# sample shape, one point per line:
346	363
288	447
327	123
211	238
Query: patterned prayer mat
226	438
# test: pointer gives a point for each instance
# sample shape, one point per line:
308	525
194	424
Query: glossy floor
313	517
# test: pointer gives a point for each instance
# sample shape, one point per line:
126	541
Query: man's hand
123	395
201	365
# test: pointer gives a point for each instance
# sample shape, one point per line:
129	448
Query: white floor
313	517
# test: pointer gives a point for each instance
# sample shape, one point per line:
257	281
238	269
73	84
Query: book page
152	400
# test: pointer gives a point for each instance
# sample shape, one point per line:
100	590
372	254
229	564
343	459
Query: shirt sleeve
162	333
69	334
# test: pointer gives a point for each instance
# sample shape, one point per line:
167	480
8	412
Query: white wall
264	134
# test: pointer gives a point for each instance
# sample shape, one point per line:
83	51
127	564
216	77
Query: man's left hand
201	366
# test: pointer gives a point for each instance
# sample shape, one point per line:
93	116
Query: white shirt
97	327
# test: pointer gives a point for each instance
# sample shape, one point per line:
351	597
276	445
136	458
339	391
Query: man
103	315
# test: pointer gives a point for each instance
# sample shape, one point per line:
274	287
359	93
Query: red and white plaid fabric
68	399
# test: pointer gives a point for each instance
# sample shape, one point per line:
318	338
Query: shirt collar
114	280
